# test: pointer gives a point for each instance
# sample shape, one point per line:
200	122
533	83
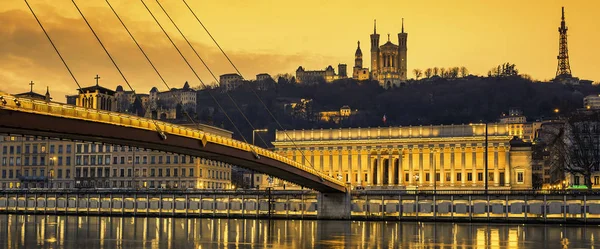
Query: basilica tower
402	38
374	50
358	57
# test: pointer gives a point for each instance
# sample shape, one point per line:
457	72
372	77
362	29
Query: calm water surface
49	231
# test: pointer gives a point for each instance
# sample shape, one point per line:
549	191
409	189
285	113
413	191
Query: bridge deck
34	117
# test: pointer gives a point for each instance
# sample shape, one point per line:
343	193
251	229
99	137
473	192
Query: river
51	231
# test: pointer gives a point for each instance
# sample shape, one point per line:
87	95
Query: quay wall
404	206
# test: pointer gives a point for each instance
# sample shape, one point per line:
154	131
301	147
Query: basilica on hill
388	61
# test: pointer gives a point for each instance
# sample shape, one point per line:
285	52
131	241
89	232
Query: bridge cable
196	74
113	62
254	92
209	70
150	61
54	46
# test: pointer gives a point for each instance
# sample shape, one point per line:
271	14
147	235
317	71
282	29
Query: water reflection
49	231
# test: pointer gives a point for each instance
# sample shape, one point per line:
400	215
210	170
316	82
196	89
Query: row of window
33	149
105	172
33	161
448	177
34	173
160	172
577	181
117	184
105	160
99	148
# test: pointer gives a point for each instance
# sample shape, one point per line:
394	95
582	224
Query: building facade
591	101
423	157
39	162
96	97
389	61
33	162
230	81
313	76
263	76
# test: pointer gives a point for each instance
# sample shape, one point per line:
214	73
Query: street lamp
435	173
486	158
253	135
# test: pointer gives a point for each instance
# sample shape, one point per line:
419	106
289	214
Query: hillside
424	102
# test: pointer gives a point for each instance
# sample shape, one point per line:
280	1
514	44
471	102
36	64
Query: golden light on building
424	157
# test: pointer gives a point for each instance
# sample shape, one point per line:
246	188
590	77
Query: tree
418	73
436	71
283	79
454	71
504	70
464	72
137	107
575	147
428	72
443	72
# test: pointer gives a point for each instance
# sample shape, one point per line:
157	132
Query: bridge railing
115	118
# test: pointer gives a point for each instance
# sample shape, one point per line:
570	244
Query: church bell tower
374	51
402	38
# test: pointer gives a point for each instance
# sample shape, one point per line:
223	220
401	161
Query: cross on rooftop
31	84
97	78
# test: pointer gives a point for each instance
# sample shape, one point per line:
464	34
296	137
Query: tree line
434	100
448	73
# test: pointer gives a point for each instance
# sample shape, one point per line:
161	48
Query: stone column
410	163
474	164
335	162
463	165
370	168
411	166
432	166
452	167
360	165
421	170
379	169
441	168
496	169
391	169
507	166
340	164
329	163
350	166
401	167
321	159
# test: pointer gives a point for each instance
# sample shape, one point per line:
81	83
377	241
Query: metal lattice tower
563	69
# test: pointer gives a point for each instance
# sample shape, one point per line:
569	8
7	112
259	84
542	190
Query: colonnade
417	165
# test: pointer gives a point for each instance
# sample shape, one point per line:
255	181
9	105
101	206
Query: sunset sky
276	36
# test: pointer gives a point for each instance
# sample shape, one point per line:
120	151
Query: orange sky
277	36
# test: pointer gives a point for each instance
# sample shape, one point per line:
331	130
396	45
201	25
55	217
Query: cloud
26	54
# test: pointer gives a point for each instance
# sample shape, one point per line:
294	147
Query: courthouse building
423	157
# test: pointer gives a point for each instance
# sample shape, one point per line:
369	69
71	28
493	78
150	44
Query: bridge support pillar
333	206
